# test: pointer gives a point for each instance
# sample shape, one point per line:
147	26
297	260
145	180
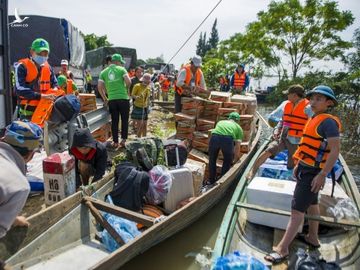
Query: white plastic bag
159	185
344	209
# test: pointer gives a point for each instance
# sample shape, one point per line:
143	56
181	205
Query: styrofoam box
181	188
270	193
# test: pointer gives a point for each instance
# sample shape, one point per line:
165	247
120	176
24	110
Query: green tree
199	46
214	36
212	69
299	31
93	41
159	59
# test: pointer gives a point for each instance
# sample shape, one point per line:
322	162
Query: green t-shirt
113	77
229	128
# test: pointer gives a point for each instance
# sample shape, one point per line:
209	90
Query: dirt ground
160	124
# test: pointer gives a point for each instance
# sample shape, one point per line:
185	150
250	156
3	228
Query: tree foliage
203	45
93	41
300	31
159	59
214	36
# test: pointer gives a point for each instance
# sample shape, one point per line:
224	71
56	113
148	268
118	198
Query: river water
178	252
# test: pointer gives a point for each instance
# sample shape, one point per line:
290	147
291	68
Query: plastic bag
344	209
305	261
238	261
160	184
125	228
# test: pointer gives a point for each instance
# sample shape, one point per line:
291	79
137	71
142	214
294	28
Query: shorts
139	113
303	196
276	147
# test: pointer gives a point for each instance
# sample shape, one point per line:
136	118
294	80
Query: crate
220	96
103	133
249	100
204	125
87	102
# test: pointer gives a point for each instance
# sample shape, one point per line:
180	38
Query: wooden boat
71	243
338	245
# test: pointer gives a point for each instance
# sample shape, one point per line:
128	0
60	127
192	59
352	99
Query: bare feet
21	221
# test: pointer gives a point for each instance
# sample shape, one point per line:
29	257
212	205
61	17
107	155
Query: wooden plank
103	222
121	212
322	219
19	237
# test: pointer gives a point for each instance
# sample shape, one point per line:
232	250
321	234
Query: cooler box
59	177
270	193
181	188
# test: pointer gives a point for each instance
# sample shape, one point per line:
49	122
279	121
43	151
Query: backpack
175	153
65	109
152	146
130	186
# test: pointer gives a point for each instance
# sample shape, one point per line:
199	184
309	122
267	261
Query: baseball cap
24	134
61	80
117	57
40	45
64	62
234	116
196	60
295	89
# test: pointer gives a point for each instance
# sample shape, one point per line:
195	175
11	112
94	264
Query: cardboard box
198	172
184	117
87	102
249	100
204	125
270	193
220	96
103	133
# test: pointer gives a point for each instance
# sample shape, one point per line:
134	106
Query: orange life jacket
188	77
28	106
44	108
69	87
165	85
67	75
295	117
239	80
313	149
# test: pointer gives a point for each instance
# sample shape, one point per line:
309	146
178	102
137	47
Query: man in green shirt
226	137
115	81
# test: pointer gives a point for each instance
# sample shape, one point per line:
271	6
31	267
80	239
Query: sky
159	27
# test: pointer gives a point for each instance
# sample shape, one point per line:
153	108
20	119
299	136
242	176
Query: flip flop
276	258
301	238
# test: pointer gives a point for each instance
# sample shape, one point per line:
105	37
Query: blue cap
323	90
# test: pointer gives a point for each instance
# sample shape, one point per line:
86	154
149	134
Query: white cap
64	62
196	60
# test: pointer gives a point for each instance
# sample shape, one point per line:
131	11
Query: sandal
115	145
275	258
301	237
122	144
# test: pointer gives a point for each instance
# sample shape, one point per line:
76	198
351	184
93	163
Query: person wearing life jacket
34	78
239	81
189	77
292	116
165	87
67	85
316	156
65	70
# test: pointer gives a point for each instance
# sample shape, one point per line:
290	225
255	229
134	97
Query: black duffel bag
130	186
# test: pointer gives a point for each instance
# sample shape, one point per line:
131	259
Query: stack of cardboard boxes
199	117
87	102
